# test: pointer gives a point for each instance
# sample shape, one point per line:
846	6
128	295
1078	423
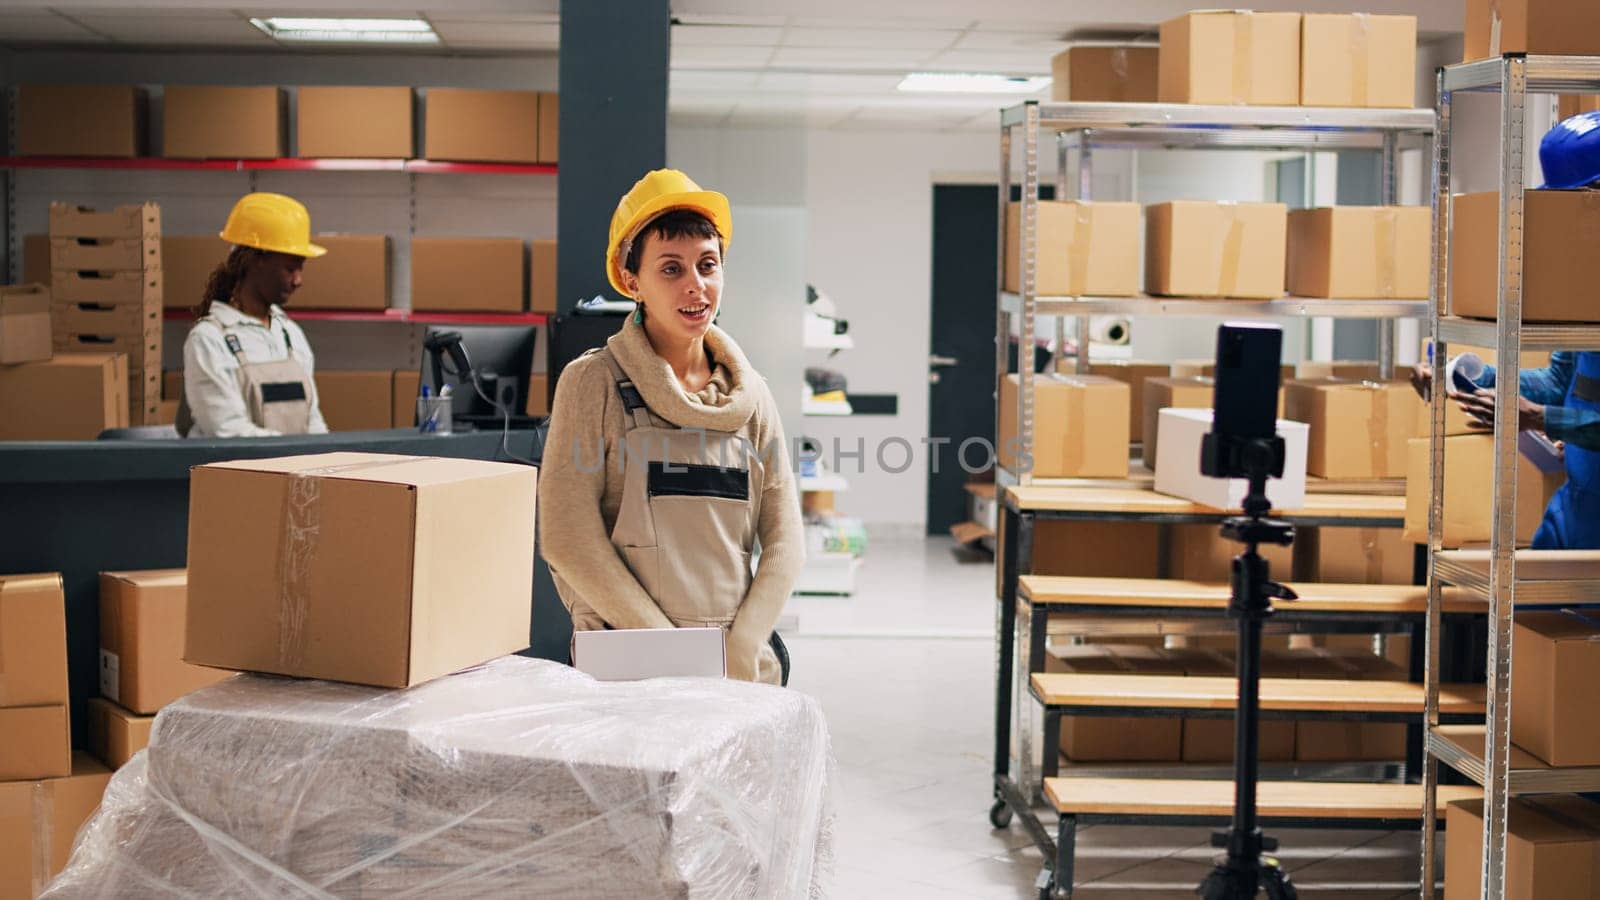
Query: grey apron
277	393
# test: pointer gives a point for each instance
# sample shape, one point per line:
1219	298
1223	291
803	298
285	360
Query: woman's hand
1480	406
744	657
1422	379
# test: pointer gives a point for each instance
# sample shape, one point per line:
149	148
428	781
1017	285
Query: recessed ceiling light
969	83
348	31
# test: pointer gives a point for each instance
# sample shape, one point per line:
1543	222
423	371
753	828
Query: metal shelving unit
1085	127
1506	576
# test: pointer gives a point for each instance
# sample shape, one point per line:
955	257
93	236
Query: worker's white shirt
211	381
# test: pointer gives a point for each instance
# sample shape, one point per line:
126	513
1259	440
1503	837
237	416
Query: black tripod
1244	872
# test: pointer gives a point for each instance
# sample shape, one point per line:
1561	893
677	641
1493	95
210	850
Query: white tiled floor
905	672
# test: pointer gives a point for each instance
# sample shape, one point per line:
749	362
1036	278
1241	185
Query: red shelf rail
399	316
417	166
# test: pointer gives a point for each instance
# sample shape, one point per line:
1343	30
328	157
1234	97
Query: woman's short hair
670	225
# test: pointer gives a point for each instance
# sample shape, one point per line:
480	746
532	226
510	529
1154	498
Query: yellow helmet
271	222
652	195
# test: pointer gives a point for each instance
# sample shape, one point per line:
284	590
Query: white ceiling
823	63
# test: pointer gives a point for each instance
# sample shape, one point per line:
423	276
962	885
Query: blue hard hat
1570	153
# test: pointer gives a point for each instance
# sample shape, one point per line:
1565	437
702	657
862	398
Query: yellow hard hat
656	193
271	222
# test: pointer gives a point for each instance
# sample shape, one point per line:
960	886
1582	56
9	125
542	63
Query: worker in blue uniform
1563	399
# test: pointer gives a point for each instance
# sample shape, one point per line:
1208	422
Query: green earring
638	313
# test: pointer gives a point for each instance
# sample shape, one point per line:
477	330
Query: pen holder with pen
434	414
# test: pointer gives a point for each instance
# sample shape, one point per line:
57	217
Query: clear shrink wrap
519	778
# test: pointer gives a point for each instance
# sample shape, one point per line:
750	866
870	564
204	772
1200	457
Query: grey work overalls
277	393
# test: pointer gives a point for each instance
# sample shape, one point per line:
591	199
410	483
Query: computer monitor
498	354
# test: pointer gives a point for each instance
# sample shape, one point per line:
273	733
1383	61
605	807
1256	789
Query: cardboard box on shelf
407	387
1360	252
133	220
1359	429
102	318
1134	374
1178	471
71	397
359	617
1089	549
1228	57
1201	249
1170	393
1570	105
1496	27
1080	249
1354	556
550	128
1080	426
142	618
467	274
1468	503
222	122
1558	230
356	401
1552	848
1201	553
481	126
24	323
39	820
1105	74
353	275
355	122
1556	665
542	264
89	286
1117	738
1358	59
115	734
80	120
187	262
133	254
36	259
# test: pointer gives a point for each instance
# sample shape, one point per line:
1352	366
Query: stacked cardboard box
1359	429
33	679
24	323
80	120
1552	848
1104	74
106	281
39	819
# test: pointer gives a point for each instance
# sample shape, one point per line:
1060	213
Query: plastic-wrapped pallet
520	778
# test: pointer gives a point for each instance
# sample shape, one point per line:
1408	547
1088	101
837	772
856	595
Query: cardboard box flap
384	468
24	298
152	578
43	581
1561	625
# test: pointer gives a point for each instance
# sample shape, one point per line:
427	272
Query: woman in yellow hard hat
246	367
665	464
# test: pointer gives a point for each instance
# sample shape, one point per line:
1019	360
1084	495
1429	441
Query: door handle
938	361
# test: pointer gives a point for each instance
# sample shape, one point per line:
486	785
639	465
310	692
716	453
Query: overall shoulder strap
632	401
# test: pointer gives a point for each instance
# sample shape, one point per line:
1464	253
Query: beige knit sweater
579	503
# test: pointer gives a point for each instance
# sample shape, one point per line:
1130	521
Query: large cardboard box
133	254
1552	848
1495	27
1080	426
1201	249
355	122
1360	252
1081	249
1170	393
1556	665
1359	429
1117	738
24	323
72	397
1088	549
187	262
33	640
134	220
89	286
1105	75
40	819
1559	232
407	386
356	401
550	128
1468	501
80	120
1358	59
353	275
542	267
1354	556
38	742
1201	553
481	126
1226	57
467	274
1178	463
115	734
1134	373
387	570
142	617
222	122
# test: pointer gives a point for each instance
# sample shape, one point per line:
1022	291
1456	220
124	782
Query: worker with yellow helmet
665	463
246	366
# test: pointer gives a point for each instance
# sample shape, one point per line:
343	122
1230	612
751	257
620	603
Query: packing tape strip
1239	91
1385	237
1078	259
1378	427
1360	60
297	550
1372	552
1232	233
1076	449
1496	24
43	831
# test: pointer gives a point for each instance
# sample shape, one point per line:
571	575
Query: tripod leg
1275	883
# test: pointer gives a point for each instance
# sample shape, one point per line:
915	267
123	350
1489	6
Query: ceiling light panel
317	30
